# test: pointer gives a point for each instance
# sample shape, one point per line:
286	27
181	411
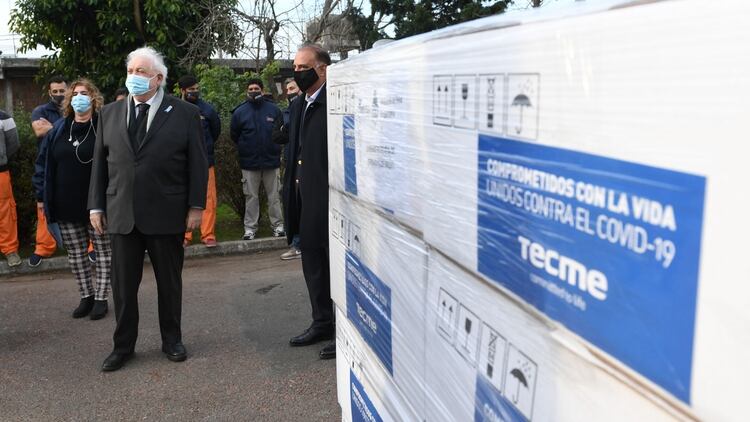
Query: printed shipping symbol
464	96
520	100
491	355
490	102
440	99
442	94
447	308
446	314
518	374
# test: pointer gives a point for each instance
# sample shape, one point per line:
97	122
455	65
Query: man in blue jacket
42	119
251	129
211	131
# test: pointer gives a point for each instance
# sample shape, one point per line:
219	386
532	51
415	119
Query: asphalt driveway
238	314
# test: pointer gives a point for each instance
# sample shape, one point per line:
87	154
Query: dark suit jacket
151	188
312	223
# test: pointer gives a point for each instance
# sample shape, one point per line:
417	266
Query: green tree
21	169
92	37
225	90
412	17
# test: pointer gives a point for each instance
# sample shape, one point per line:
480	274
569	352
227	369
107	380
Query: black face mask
57	99
192	96
291	97
305	78
254	97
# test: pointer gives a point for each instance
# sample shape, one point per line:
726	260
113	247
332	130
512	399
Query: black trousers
167	256
317	273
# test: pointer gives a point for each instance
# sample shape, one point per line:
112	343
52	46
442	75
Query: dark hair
287	81
121	91
254	81
56	79
187	81
321	55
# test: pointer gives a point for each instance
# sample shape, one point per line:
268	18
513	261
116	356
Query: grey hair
156	58
321	55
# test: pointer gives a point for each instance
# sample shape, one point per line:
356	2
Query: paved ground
238	314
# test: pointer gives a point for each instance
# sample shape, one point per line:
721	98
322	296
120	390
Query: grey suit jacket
153	187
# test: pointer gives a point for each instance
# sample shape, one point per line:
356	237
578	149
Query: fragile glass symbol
467	328
464	96
520	100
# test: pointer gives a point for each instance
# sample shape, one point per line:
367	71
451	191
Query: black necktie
140	124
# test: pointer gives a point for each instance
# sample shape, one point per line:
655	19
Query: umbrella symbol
521	100
518	374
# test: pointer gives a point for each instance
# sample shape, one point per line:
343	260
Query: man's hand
41	127
99	222
193	220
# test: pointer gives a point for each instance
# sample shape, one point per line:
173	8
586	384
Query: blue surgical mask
138	85
81	103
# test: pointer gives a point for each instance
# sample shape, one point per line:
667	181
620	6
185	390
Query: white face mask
80	103
138	85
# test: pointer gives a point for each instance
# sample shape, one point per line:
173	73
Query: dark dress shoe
311	336
175	352
329	352
99	310
115	361
83	309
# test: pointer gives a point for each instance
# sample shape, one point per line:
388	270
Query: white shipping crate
490	360
588	160
378	279
375	152
365	391
573	161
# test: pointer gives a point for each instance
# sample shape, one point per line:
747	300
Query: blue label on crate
491	406
350	156
607	247
362	408
368	306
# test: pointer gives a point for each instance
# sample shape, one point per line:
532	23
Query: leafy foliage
93	37
412	17
21	169
225	90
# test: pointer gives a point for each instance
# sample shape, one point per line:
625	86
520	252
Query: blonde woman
61	181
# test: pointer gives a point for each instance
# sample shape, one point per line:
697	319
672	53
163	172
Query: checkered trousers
75	238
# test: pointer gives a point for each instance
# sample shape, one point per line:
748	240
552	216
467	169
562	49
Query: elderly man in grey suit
148	185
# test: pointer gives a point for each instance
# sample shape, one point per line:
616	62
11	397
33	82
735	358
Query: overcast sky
292	37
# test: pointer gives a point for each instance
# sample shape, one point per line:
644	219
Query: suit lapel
307	111
294	131
160	117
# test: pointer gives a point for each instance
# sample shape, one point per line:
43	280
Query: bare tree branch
322	21
218	31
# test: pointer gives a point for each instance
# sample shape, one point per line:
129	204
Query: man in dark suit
307	198
148	185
